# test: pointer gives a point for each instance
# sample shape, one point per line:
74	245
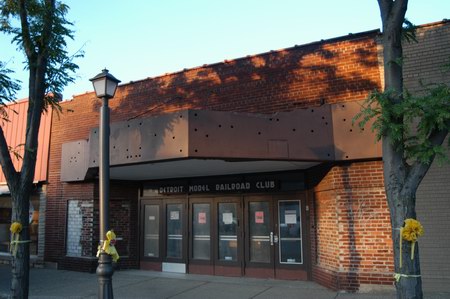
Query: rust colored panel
304	134
350	142
201	269
14	131
227	271
291	274
260	272
142	140
316	134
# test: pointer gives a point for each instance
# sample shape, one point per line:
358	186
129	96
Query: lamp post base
105	272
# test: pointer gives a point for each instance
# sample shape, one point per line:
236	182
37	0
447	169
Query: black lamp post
105	86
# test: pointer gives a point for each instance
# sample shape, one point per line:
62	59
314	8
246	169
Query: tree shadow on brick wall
328	72
351	279
285	80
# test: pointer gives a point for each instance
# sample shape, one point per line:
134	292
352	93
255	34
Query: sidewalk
49	283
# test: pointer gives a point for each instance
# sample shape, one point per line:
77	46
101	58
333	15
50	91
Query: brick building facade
246	167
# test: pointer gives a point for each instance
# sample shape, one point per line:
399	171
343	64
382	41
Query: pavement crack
263	291
187	290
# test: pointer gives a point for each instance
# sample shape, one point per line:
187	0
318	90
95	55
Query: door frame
197	266
292	271
258	269
150	263
184	232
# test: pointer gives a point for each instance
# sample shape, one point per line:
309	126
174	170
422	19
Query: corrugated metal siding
14	131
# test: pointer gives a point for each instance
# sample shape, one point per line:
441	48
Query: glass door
201	231
228	231
151	238
260	234
290	247
228	249
174	233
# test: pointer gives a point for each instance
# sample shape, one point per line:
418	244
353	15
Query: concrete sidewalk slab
50	283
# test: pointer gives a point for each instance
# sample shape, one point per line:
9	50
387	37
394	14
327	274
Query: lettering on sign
262	185
171	189
199	188
265	185
233	187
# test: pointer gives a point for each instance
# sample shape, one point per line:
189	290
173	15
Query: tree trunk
409	286
397	175
20	262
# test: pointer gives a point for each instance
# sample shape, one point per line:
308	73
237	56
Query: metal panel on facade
350	142
14	131
298	135
74	160
143	140
316	134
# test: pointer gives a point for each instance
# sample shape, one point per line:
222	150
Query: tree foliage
39	29
8	86
422	116
41	32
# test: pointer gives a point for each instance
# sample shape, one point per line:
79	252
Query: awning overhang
193	143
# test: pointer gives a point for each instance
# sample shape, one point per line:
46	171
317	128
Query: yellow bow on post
108	246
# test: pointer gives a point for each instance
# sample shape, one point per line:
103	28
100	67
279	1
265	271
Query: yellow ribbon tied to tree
16	228
410	232
108	246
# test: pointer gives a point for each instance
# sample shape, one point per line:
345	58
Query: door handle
275	239
271	238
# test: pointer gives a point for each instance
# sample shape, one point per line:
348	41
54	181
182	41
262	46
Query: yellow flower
16	227
412	230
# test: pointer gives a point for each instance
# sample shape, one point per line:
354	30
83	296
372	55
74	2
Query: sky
137	39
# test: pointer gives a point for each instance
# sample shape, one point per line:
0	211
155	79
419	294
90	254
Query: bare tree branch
385	10
26	37
418	170
5	160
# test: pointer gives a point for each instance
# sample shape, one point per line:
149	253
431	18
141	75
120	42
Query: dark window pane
201	227
151	231
290	243
259	232
228	228
174	230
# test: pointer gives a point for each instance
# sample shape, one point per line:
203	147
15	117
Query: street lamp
105	86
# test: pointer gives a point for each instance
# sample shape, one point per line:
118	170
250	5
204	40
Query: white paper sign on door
227	218
290	217
174	215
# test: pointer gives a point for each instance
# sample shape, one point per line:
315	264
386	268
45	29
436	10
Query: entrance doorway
275	237
255	235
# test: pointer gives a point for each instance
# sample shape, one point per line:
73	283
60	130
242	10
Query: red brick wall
352	227
338	70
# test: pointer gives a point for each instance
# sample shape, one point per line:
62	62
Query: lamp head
105	84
